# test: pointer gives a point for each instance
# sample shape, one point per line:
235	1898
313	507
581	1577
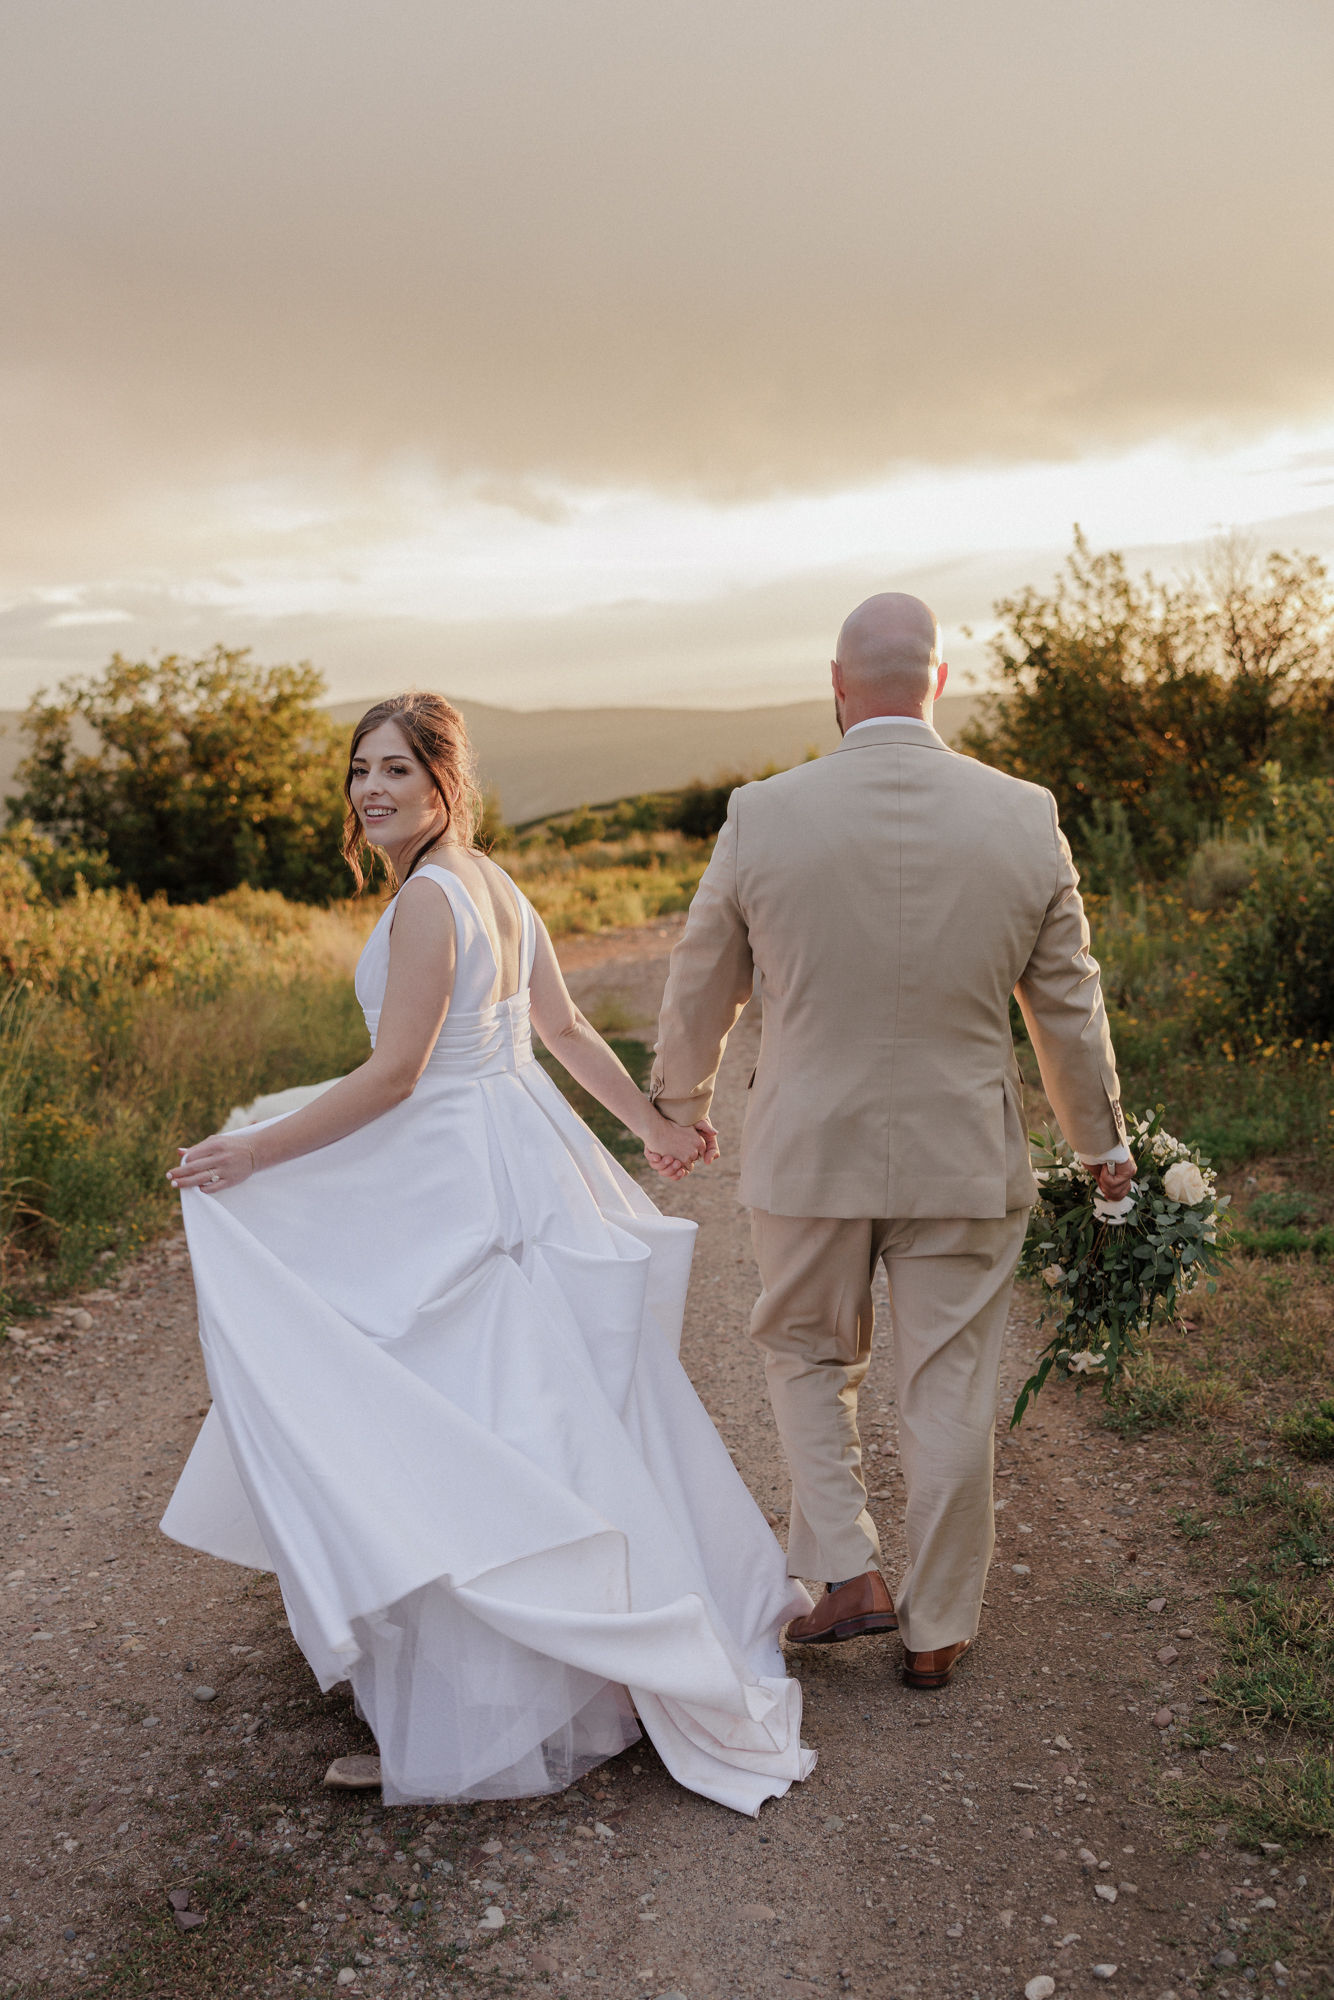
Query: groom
884	903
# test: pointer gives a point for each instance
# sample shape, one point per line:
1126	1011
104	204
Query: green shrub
700	810
1308	1429
1282	1242
1275	949
607	885
1279	1207
1107	859
696	812
1219	872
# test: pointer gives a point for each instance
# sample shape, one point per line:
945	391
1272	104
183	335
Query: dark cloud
731	247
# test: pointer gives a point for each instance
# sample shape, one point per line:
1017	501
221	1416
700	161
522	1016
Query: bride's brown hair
438	738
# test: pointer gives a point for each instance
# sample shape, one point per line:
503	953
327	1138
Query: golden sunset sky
588	352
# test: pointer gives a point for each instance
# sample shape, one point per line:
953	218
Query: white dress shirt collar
872	721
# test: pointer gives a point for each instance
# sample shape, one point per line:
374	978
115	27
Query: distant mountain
548	760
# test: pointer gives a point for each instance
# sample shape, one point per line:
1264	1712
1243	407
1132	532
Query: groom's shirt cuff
1121	1152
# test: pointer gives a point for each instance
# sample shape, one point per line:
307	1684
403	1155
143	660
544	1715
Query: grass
1114	1598
1151	1396
1240	1384
1292	1803
127	1029
1279	1657
1246	1363
609	884
1308	1429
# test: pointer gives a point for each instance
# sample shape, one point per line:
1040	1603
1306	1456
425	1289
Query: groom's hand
670	1165
1114	1178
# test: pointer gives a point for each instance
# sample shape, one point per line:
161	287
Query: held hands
215	1164
676	1150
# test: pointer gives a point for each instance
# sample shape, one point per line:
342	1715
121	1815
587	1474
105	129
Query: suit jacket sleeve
709	981
1060	996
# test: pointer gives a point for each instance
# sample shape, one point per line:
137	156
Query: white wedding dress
450	1415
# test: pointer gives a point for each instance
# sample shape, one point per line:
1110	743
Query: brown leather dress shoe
861	1605
932	1670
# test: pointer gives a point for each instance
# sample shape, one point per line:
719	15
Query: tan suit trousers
949	1284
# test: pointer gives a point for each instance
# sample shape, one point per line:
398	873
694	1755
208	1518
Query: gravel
935	1833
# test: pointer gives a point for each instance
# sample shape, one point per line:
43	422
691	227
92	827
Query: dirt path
161	1734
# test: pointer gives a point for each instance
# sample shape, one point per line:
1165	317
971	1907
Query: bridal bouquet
1111	1269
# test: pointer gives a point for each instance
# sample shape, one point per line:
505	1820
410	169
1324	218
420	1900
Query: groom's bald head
888	659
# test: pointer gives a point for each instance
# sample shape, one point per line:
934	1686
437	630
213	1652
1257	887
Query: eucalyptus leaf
1117	1282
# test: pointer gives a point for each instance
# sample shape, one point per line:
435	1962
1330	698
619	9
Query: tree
1156	707
191	776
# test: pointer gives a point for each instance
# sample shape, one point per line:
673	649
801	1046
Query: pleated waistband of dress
486	1043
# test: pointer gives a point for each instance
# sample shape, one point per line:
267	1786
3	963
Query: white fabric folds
449	1413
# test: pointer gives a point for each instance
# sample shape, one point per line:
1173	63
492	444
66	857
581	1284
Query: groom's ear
942	675
836	676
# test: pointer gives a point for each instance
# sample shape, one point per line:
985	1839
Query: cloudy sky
580	351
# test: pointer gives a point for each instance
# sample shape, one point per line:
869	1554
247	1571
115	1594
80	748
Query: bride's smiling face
392	792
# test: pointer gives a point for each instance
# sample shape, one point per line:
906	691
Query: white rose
1185	1183
1053	1276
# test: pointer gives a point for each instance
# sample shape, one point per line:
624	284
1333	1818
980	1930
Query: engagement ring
215	1177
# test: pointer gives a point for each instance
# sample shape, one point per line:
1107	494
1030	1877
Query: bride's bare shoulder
422	907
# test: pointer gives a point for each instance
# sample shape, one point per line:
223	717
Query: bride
440	1325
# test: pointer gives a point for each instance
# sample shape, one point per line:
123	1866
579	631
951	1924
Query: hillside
548	759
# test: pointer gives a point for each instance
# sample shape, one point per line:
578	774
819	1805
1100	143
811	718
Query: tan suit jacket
885	902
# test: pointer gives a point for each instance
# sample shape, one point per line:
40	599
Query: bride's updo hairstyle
439	740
